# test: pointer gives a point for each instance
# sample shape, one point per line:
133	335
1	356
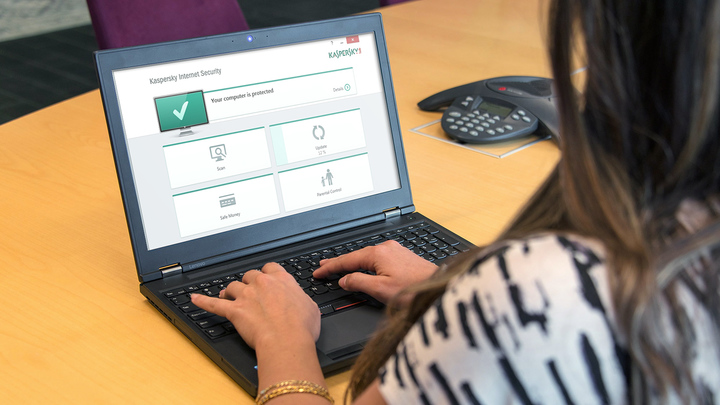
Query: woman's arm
276	318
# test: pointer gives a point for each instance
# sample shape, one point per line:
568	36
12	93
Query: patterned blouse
532	324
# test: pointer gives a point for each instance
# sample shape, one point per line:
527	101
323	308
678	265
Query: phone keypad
465	122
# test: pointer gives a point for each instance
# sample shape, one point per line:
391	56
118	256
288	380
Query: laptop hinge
171	270
392	212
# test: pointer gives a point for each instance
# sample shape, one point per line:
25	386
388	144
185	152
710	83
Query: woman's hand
266	307
395	267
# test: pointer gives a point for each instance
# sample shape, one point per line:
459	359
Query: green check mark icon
181	114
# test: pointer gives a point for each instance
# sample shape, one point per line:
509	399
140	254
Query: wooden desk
76	329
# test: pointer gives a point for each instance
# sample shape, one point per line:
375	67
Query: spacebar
330	296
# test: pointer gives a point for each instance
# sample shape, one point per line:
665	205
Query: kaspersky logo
344	52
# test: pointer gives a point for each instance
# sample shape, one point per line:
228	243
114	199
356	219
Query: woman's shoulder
534	314
546	255
561	273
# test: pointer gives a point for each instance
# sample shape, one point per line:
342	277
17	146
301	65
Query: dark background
41	70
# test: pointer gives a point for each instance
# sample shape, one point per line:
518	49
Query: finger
215	305
353	261
270	268
250	275
232	291
364	283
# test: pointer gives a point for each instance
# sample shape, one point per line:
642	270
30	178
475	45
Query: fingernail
342	282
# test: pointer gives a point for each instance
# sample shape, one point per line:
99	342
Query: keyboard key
302	274
420	233
319	289
175	293
196	316
211	291
216	331
450	241
326	309
438	254
210	322
376	239
302	265
190	307
451	251
181	299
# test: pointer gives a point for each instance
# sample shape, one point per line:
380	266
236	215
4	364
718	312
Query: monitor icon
218	152
181	111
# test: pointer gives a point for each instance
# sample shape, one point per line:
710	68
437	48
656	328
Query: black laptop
279	144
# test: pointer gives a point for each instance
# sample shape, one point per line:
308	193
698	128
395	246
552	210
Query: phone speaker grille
538	88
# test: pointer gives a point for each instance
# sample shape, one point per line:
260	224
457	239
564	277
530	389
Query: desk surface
75	328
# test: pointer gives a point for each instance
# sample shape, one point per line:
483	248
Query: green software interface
181	110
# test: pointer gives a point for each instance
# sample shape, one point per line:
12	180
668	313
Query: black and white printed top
532	324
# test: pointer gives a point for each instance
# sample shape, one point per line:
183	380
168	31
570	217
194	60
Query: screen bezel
314	222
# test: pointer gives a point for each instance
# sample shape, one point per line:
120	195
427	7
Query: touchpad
344	333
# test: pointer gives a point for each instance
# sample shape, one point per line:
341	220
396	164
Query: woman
604	290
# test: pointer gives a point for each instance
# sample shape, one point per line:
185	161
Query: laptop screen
231	140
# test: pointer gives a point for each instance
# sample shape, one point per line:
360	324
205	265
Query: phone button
526	119
515	117
455	114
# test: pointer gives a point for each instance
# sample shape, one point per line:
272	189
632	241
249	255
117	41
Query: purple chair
384	3
120	23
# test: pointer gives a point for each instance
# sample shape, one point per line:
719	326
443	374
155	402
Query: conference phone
497	109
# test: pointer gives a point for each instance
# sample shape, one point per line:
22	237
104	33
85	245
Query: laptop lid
234	144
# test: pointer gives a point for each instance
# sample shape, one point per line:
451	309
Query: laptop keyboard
424	240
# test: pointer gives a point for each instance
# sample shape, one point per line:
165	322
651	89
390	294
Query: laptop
279	144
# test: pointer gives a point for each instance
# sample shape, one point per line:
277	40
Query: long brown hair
641	154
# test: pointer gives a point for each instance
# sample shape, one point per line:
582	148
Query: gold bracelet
292	387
